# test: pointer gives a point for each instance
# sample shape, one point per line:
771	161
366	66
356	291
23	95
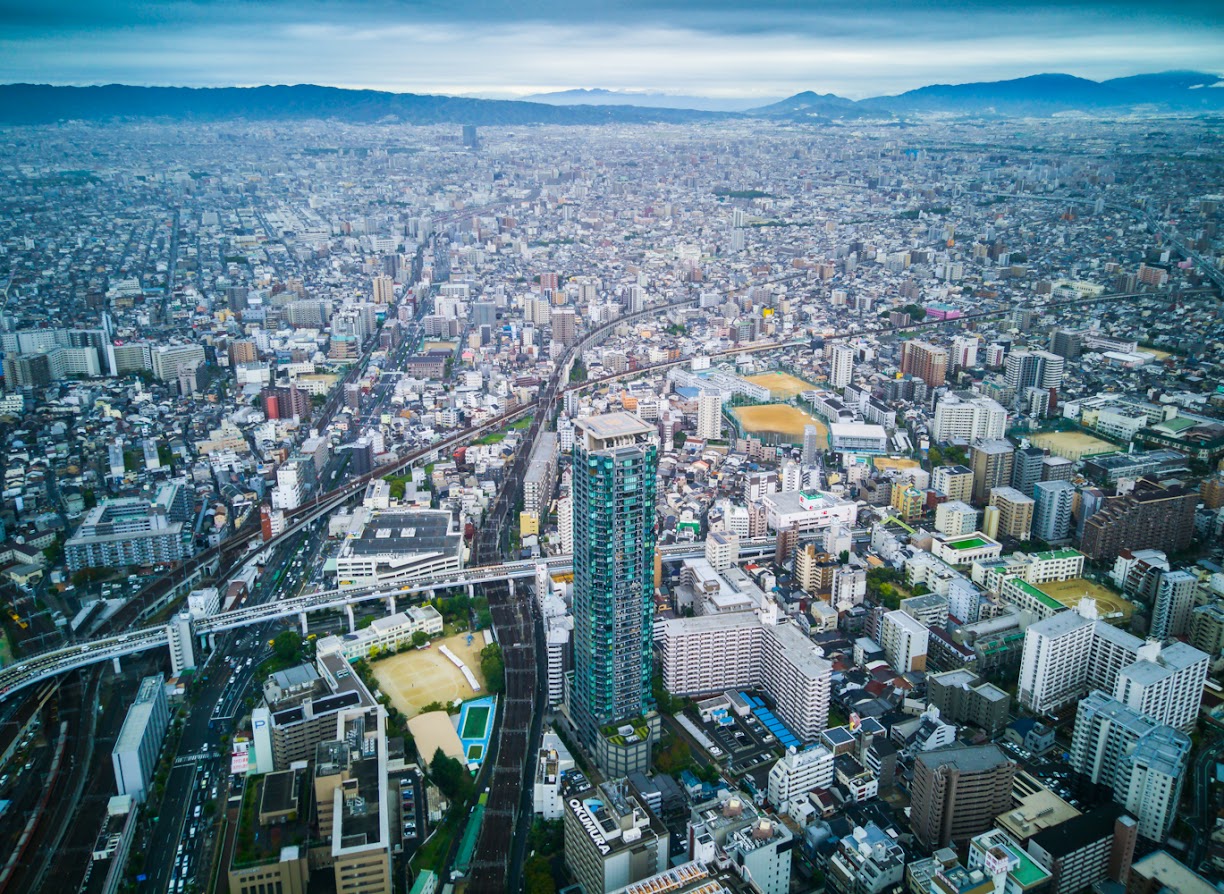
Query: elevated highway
45	665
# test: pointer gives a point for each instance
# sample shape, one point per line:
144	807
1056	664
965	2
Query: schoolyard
781	384
1071	444
420	677
780	419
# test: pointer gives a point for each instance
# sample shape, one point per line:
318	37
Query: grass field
781	384
780	419
415	679
475	752
475	723
1070	592
1071	444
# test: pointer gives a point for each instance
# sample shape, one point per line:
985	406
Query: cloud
714	47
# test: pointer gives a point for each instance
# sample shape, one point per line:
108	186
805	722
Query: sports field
971	543
474	723
1070	592
781	384
438	346
780	419
420	677
1071	444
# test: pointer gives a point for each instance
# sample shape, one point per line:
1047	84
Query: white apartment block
709	415
841	366
721	550
714	653
904	640
968	419
798	772
956	518
1072	653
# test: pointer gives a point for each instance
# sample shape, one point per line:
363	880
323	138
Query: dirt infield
418	678
1071	444
1069	593
780	419
781	384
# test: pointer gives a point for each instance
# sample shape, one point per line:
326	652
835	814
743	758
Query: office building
612	839
925	361
957	792
613	503
138	746
841	365
1015	512
709	415
1052	512
1151	516
1086	849
992	463
968	419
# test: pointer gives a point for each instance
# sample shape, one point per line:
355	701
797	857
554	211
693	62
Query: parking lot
741	744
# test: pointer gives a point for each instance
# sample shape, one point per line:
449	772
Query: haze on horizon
714	48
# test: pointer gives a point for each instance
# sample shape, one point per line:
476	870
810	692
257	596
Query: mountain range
1043	95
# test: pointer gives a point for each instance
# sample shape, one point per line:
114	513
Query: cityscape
417	493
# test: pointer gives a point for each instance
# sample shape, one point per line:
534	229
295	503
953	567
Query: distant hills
1042	95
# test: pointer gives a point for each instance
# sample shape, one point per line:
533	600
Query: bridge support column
471	588
390	605
118	667
348	610
302	619
212	642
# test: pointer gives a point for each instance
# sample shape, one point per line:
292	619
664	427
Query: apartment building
957	792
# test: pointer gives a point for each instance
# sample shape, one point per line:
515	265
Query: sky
718	48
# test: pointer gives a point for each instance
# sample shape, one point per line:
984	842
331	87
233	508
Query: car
715	750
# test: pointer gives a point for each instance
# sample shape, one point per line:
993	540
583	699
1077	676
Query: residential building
963	698
956	518
133	531
1151	516
614	495
1052	512
957	792
904	640
968	419
925	361
992	463
709	415
1015	512
954	482
798	772
1086	849
1159	873
841	365
729	828
1172	603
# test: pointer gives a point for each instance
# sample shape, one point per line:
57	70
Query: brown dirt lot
1070	592
781	384
779	418
417	678
1071	444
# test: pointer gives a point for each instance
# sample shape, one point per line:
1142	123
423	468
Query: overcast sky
855	48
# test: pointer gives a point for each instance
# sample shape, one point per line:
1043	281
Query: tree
844	556
287	646
451	777
537	876
419	638
493	666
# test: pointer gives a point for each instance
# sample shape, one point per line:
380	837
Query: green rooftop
1053	554
1028	874
1025	587
970	543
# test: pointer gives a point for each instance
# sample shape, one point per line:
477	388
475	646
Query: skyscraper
614	501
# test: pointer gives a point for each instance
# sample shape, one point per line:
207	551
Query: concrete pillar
471	588
212	642
348	610
390	605
302	618
117	666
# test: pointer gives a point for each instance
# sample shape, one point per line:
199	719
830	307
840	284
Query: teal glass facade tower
615	463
